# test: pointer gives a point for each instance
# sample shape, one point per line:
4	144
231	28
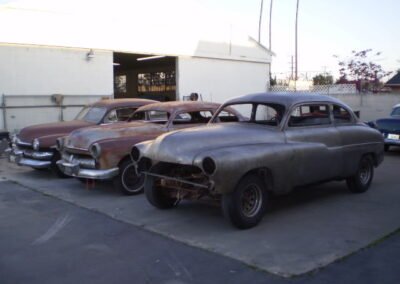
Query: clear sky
326	28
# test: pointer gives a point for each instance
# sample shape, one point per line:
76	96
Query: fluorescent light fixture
150	57
116	64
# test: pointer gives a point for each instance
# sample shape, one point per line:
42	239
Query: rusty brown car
281	142
34	146
103	152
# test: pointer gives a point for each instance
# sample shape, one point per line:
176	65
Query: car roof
113	103
285	98
178	106
396	106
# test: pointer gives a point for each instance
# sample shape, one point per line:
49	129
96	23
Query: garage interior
144	76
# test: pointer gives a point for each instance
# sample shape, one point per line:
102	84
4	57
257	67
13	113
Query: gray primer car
287	140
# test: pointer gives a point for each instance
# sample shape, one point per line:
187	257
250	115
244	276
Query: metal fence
334	89
18	111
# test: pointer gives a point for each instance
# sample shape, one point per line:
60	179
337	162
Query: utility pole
296	53
260	21
270	25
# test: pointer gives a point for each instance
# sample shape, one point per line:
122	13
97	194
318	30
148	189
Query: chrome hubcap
365	172
131	180
251	200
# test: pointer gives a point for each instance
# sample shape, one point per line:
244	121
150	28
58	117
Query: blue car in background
390	128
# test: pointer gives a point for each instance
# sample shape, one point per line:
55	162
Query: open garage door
144	76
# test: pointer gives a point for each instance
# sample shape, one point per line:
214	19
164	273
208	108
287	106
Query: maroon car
103	152
34	146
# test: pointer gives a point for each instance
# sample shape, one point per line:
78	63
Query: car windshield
154	116
396	111
91	114
260	113
388	124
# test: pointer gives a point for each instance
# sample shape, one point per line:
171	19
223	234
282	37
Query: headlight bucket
135	154
95	150
36	144
209	166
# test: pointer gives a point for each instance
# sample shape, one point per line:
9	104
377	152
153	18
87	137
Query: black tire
387	148
156	196
127	181
361	181
245	206
55	169
40	169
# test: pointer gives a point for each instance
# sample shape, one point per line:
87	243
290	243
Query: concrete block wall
371	106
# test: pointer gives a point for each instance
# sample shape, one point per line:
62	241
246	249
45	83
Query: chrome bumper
76	171
17	156
392	142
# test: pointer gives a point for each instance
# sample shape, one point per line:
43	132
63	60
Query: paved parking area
301	232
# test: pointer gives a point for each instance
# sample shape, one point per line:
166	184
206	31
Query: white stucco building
123	49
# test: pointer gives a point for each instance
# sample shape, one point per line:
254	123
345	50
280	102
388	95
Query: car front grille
84	161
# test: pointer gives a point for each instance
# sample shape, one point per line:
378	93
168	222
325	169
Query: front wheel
387	148
128	181
245	206
156	196
361	181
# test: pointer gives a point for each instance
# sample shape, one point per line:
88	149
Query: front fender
114	150
232	163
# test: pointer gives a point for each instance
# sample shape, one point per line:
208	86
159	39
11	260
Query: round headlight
135	154
95	150
209	166
35	144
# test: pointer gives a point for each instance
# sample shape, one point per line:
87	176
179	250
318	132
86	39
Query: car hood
56	129
390	124
83	138
183	146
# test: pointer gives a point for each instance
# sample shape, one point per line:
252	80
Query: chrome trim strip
75	148
75	171
19	142
39	155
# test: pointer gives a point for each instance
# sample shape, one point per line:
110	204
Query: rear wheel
156	195
245	206
361	181
387	148
128	181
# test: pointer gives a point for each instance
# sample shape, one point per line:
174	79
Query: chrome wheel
251	200
131	181
365	172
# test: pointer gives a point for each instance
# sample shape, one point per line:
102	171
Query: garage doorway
144	76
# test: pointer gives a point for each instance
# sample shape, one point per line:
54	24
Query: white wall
35	73
218	80
26	70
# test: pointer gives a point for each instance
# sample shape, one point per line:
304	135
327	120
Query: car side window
341	115
309	115
226	116
111	117
123	114
192	117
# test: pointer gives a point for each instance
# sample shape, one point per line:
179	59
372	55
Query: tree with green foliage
322	79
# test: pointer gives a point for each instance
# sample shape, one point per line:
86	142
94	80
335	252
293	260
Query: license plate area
393	136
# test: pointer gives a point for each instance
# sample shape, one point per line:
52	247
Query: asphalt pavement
46	240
